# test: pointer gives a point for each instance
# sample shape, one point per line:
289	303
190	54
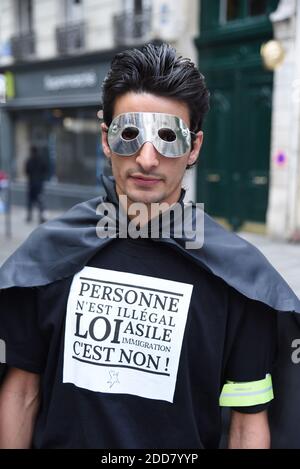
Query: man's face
148	176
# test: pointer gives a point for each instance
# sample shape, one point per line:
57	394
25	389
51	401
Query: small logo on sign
114	378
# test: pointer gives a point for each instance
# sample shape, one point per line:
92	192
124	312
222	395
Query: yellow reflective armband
247	394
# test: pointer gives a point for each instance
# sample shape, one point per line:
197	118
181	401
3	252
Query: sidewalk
285	257
20	230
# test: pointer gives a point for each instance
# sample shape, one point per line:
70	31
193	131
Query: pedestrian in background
36	171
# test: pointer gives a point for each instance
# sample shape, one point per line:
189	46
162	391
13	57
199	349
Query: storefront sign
48	87
75	80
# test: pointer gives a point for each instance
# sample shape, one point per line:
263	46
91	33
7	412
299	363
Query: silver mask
128	132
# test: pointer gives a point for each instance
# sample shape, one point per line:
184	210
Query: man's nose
148	156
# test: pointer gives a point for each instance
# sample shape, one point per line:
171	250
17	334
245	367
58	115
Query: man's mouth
142	180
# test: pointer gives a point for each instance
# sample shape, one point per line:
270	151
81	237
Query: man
136	342
36	171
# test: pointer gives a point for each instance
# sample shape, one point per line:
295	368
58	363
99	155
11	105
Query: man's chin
144	197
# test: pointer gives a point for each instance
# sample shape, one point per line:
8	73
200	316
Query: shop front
53	106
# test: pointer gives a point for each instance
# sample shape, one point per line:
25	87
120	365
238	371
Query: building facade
283	216
54	56
249	170
234	178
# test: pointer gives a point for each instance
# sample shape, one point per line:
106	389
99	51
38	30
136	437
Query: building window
134	23
137	7
23	15
73	11
70	35
232	10
257	7
22	42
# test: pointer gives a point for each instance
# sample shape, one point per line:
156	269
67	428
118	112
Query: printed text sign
124	333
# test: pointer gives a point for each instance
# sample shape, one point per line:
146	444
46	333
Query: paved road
284	256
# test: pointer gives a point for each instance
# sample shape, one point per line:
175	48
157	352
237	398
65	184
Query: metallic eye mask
169	134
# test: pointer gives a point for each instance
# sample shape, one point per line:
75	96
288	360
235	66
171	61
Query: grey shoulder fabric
61	247
56	249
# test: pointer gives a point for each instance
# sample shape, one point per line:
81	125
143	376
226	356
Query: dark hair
156	69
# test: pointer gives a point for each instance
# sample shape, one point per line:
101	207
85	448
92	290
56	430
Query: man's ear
197	143
105	146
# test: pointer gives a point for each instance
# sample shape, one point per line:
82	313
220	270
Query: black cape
62	247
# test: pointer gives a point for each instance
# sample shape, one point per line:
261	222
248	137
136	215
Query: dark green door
234	164
214	178
253	153
233	171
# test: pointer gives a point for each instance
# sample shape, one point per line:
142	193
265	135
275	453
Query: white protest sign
124	333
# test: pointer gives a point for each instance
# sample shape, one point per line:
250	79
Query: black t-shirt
137	354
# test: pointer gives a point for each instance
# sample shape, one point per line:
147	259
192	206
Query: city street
284	256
